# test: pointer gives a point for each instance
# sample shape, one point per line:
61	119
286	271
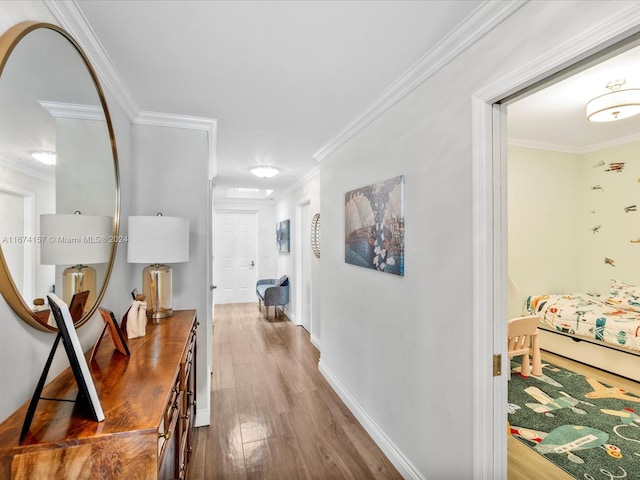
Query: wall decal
597	187
596	228
637	240
630	208
609	261
374	226
615	167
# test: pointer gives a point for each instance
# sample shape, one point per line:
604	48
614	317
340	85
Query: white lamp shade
158	239
613	106
75	239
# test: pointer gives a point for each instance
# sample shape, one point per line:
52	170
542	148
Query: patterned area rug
587	428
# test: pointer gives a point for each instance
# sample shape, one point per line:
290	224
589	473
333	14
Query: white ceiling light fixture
265	171
48	158
615	105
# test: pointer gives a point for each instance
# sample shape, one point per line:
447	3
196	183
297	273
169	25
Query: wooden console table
149	403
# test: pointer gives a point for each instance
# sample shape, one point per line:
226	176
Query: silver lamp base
157	286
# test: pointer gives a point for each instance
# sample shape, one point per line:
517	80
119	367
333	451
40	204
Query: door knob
253	264
213	287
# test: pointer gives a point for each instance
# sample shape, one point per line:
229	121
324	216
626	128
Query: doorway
304	256
235	246
18	244
556	157
489	136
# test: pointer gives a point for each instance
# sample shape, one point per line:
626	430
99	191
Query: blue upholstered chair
273	292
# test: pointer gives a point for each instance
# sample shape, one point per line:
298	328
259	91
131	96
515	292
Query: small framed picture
87	393
114	331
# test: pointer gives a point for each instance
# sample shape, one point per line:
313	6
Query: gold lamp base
157	285
77	279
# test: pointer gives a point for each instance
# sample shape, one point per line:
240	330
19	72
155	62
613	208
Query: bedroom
573	198
573	235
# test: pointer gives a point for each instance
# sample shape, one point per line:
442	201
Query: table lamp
78	241
158	240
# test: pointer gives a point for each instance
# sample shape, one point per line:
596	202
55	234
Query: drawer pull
189	393
186	417
165	435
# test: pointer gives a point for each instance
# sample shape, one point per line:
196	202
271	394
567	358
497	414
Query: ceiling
554	118
282	78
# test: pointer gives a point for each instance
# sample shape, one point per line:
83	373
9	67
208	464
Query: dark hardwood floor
273	415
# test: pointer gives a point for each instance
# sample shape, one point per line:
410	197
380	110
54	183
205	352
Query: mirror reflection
58	177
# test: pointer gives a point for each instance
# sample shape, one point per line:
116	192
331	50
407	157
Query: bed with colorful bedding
612	321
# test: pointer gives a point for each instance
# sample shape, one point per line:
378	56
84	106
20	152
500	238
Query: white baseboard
315	341
402	464
290	314
203	416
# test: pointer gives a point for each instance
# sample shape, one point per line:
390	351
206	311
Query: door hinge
497	364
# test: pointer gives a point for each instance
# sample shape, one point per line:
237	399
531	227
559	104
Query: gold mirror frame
8	41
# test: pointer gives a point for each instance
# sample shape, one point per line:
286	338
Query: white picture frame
86	388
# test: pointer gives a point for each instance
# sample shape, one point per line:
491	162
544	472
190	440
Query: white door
235	248
13	248
305	267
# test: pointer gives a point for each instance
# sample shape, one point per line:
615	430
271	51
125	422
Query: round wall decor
315	235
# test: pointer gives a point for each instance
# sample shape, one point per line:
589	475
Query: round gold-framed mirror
60	220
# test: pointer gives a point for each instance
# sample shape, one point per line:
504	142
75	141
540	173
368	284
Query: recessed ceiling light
244	192
48	158
265	171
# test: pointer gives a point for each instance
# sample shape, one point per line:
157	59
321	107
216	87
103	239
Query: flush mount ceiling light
48	158
264	171
615	105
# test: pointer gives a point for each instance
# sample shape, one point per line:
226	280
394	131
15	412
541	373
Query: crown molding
45	174
158	119
611	143
69	16
72	110
594	147
521	143
477	24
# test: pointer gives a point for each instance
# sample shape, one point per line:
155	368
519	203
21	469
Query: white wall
553	209
24	350
399	349
288	207
170	175
544	221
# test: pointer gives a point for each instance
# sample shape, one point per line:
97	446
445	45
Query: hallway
273	415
